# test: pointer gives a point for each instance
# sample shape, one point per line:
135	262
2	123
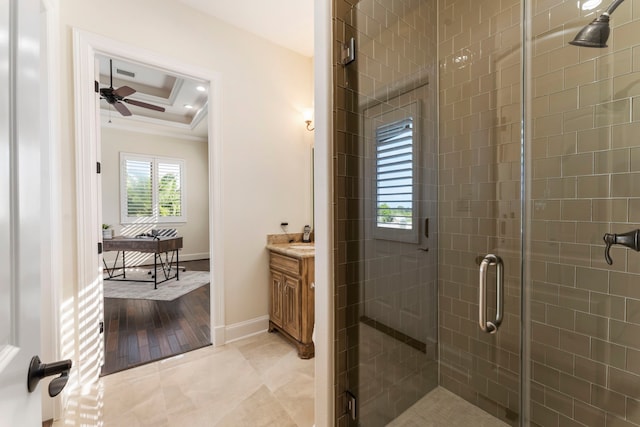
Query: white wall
323	215
195	231
266	172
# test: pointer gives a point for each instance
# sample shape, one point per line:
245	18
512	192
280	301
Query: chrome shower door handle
486	326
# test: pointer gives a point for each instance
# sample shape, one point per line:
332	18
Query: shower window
395	175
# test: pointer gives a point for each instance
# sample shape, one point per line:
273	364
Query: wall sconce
308	115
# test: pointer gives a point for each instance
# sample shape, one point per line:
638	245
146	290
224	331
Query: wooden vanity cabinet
291	300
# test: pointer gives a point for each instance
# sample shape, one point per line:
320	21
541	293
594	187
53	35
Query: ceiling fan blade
124	91
144	105
122	109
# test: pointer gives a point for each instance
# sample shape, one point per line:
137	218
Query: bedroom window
152	189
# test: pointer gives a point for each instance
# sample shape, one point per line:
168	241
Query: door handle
39	370
486	326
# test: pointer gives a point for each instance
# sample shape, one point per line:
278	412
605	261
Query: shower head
596	33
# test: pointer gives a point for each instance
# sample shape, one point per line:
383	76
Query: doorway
153	177
86	47
470	262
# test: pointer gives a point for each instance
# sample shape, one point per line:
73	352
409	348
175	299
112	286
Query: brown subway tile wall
594	90
487	135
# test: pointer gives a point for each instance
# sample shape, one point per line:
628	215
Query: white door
19	210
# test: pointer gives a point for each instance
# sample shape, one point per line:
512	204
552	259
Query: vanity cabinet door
291	306
291	299
276	298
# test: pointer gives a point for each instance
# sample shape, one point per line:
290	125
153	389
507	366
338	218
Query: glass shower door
480	205
583	162
427	146
386	210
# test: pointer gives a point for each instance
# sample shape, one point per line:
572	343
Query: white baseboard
245	329
218	336
194	257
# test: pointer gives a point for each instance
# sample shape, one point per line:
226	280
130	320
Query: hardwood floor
141	331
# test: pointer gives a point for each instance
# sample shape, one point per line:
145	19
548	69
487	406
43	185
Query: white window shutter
139	187
152	189
395	175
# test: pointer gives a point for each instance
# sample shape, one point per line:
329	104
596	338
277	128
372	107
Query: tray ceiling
158	87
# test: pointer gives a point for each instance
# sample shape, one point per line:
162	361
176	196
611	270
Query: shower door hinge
348	54
352	405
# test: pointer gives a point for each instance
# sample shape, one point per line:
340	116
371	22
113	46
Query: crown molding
151	127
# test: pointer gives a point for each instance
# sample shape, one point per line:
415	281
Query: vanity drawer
285	263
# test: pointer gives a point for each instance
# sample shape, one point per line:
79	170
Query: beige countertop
295	249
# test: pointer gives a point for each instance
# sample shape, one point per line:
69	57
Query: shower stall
486	212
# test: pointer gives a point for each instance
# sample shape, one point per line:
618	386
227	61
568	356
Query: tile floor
393	373
258	381
441	408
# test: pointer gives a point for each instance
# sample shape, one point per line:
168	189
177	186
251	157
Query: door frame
325	413
87	127
52	242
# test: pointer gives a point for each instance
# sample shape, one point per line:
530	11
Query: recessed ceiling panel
183	99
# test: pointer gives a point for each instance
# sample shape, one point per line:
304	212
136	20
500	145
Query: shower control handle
630	239
486	326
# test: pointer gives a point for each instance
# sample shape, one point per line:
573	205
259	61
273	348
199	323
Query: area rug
167	291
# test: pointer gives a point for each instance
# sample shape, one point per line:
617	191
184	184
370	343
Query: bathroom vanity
291	294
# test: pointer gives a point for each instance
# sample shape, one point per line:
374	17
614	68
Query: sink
307	247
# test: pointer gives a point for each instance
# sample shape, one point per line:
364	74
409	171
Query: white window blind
139	175
152	189
395	175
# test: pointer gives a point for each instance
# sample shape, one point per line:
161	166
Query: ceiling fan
116	97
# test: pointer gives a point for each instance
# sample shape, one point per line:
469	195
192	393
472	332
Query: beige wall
195	231
266	164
